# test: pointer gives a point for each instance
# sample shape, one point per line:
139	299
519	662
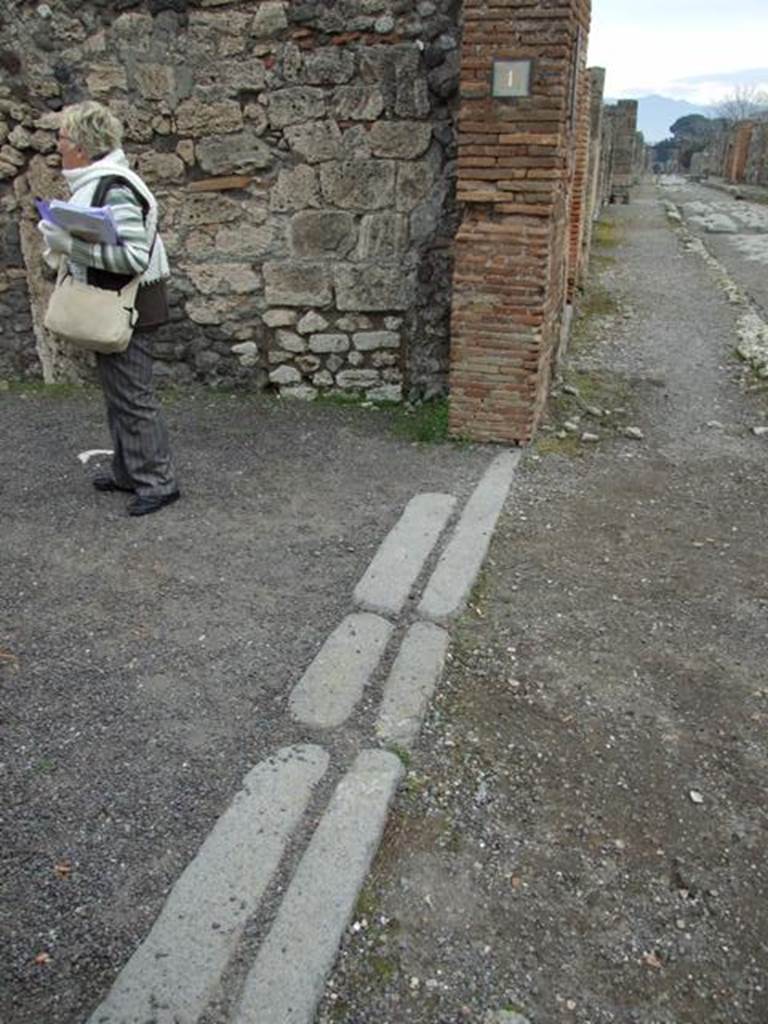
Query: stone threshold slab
401	557
327	693
411	683
174	973
288	977
449	586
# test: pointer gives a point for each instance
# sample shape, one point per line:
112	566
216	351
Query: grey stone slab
449	586
411	683
403	552
172	975
333	684
288	976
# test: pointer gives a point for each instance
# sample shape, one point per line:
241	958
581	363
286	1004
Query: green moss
426	423
548	444
60	389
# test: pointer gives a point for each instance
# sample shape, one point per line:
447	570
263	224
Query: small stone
571	427
634	433
594	410
715	424
589	438
285	375
760	431
279	317
569	389
301	391
311	323
696	797
384	24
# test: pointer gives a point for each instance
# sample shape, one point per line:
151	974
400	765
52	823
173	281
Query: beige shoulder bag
91	318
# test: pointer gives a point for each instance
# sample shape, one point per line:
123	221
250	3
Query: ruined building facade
346	204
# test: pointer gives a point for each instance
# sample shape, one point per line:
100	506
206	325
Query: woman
97	173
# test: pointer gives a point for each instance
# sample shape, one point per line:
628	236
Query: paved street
581	835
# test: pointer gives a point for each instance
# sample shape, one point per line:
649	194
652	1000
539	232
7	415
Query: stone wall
517	160
738	153
303	155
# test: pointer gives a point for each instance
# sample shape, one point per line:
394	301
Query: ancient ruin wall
302	154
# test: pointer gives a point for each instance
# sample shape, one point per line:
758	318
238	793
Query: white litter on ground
85	457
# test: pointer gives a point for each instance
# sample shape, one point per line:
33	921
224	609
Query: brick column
594	198
516	160
578	203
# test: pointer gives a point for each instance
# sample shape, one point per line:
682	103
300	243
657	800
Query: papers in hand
88	223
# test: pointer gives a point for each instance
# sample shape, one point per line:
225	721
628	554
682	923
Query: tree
744	103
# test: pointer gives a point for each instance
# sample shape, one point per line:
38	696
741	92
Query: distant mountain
657	113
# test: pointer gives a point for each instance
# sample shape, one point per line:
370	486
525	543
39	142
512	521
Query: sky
695	50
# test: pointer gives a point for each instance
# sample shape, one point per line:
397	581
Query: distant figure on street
656	173
89	143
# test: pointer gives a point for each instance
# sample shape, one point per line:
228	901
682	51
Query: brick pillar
516	160
738	162
578	202
594	198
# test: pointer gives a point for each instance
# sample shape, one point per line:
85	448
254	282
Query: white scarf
82	182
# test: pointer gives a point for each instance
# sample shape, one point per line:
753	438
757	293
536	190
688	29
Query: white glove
56	239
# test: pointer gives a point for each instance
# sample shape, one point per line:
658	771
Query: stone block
239	153
197	118
328	343
311	322
280	317
104	78
294	106
291	283
269	20
368	341
230	77
329	65
372	288
357	103
354	322
208	208
385	393
358	184
323	379
289	341
250	241
382	235
296	189
354	380
161	167
322	233
285	375
315	141
414	183
221	278
154	81
401	140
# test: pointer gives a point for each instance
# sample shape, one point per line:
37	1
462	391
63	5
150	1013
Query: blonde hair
92	127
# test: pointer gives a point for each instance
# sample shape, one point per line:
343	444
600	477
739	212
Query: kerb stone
333	684
447	591
411	683
288	977
401	557
172	975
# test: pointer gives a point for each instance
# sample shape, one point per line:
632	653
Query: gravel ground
582	832
145	663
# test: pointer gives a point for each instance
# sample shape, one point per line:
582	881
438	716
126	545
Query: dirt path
582	835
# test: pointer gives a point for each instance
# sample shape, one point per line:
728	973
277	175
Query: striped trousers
142	458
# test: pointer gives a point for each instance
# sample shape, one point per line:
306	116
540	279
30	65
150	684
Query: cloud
748	76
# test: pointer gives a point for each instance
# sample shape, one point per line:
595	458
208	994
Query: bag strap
108	182
103	186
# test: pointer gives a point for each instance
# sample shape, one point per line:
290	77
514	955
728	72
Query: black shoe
151	503
106	482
